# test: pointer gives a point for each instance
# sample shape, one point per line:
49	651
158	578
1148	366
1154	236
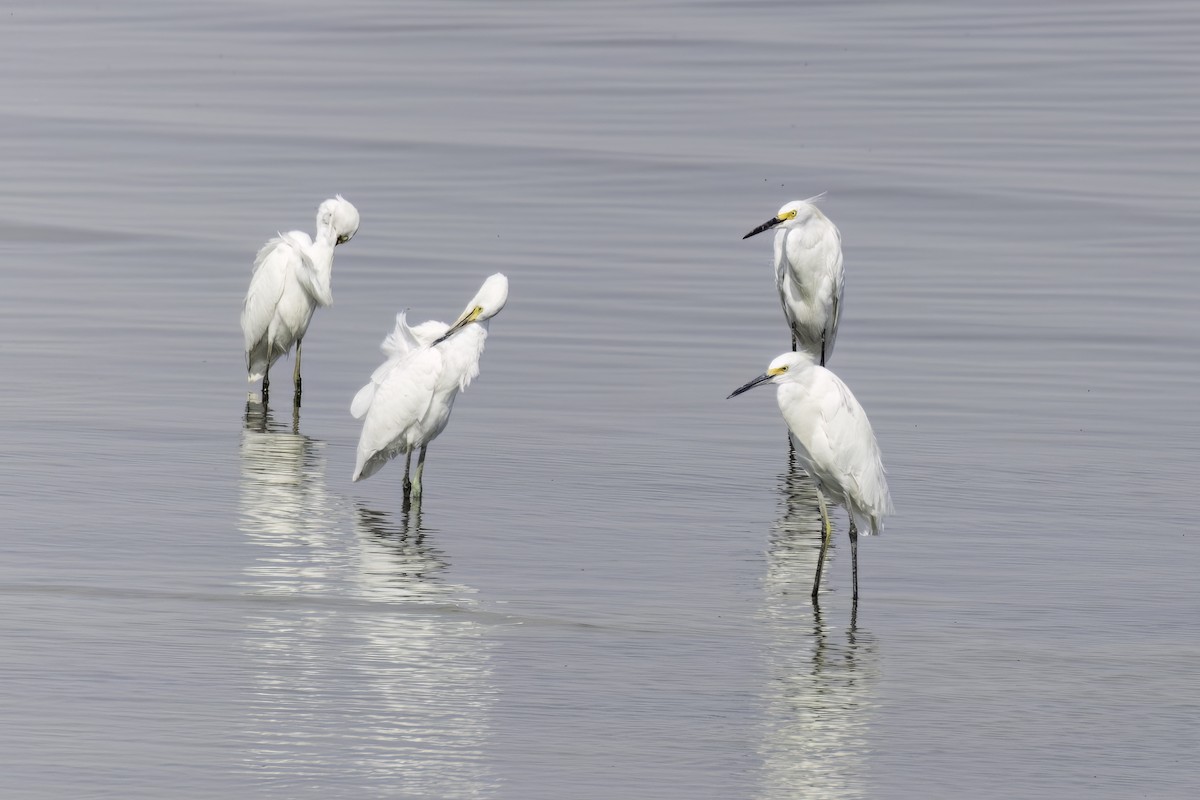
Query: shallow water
605	593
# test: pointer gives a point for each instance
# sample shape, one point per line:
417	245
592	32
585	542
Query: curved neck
320	255
325	236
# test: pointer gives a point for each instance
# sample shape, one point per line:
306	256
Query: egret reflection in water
282	493
368	667
290	520
427	658
398	559
821	676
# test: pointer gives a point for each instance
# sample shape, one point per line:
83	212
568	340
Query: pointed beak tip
766	226
759	381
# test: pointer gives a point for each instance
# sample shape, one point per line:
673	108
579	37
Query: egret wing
397	345
856	460
364	397
836	278
399	401
272	267
826	422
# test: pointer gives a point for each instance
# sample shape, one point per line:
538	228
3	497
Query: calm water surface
605	593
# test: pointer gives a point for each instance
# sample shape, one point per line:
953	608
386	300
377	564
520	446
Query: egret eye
791	214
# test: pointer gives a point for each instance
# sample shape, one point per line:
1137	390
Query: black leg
296	374
826	534
854	557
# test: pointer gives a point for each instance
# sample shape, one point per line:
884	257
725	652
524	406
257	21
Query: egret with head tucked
291	279
834	443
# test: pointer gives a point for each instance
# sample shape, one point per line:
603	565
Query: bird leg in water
416	484
407	463
854	555
296	374
266	383
792	444
826	535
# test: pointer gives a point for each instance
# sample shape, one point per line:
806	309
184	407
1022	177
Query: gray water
605	594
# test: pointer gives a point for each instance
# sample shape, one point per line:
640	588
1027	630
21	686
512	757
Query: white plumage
402	341
808	274
834	443
291	278
408	400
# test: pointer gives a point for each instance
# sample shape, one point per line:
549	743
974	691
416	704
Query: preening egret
407	402
291	278
834	443
808	274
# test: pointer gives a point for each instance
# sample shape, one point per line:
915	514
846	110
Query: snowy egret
407	402
291	278
834	443
808	274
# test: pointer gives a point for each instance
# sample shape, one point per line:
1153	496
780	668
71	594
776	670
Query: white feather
290	279
809	274
407	402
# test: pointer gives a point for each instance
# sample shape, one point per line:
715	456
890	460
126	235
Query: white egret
835	444
407	402
808	274
291	278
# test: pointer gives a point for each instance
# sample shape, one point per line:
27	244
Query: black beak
463	321
747	387
766	226
445	336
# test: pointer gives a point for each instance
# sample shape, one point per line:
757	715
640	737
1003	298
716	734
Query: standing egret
291	278
808	274
407	402
834	443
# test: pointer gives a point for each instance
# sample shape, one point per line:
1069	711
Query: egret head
486	303
792	215
339	217
787	367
